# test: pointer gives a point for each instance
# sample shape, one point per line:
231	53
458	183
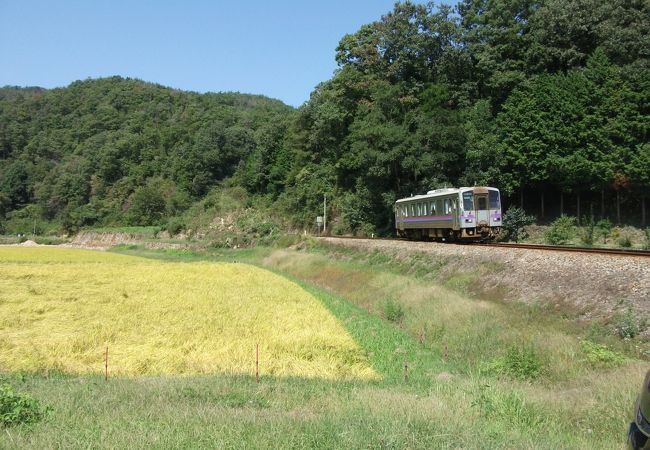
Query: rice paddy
61	308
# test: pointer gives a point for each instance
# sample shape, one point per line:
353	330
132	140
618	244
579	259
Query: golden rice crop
60	308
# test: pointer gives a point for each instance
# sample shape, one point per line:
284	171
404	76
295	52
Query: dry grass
60	308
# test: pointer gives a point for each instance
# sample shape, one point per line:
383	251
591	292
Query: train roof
444	191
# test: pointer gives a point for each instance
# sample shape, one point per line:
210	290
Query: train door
482	210
454	215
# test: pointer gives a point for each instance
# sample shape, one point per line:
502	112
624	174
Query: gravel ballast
592	285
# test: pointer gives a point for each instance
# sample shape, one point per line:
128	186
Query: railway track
568	248
541	247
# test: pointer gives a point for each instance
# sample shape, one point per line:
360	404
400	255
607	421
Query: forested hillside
119	151
547	100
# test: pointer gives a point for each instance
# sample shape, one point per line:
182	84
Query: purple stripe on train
425	219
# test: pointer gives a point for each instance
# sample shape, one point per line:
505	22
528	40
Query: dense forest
547	100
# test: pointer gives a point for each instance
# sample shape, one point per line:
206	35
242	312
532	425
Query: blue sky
281	49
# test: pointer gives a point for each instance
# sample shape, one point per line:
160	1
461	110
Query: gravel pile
591	285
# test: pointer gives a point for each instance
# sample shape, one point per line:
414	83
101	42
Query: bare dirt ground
589	285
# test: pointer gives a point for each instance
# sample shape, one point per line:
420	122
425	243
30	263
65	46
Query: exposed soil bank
105	240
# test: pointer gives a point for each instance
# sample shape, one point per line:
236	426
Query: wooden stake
106	365
257	363
444	357
406	371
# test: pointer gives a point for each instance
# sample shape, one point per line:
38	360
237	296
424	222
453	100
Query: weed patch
393	311
18	408
522	363
509	405
600	355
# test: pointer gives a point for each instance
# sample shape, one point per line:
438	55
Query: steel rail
568	248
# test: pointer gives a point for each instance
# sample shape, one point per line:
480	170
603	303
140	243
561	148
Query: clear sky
280	48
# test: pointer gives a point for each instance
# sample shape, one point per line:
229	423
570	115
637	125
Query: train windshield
494	200
468	201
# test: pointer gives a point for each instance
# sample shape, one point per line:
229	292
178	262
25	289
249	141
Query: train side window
446	206
439	206
494	200
432	207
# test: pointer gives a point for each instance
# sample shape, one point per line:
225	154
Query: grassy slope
478	402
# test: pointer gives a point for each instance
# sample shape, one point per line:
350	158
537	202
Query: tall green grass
479	374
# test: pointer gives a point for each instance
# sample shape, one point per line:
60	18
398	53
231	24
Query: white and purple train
463	214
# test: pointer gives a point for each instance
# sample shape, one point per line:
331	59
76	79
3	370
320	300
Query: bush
147	206
561	231
174	226
604	229
514	221
393	311
646	242
588	232
17	408
628	324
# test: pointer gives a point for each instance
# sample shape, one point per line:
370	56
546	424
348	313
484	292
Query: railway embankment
584	285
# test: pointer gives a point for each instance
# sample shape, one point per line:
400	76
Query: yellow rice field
60	308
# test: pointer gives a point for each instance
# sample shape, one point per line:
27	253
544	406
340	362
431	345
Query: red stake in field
257	363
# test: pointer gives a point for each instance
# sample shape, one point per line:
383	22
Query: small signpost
319	223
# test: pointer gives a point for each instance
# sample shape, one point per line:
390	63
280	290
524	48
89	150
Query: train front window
468	201
482	203
494	200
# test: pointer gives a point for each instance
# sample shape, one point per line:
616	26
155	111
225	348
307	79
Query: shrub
588	231
147	205
393	311
17	408
514	221
628	324
561	231
174	226
646	242
604	229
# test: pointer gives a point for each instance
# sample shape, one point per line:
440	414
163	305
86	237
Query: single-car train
450	214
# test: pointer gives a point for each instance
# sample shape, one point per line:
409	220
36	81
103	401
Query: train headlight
468	220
